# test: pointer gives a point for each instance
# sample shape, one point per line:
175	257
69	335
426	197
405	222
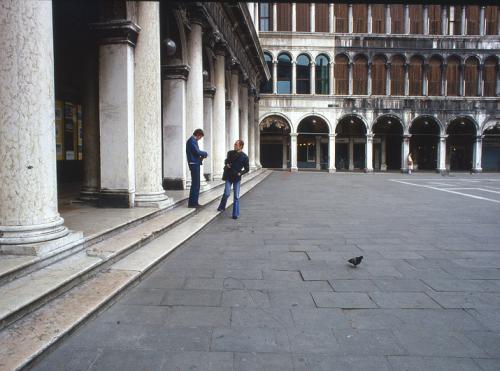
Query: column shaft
208	123
369	82
350	78
234	123
331	82
369	153
441	154
244	114
331	18
293	150
294	77
251	130
219	124
331	153
478	149
350	18
462	20
275	17
383	164
257	133
370	19
481	21
285	152
318	152
426	19
388	80
275	77
479	90
294	17
405	150
387	19
313	78
406	18
351	154
407	80
444	20
313	17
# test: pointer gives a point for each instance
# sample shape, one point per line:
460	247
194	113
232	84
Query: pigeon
355	261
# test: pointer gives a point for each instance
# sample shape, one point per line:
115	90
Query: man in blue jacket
195	157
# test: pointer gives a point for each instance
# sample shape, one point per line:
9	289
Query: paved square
273	290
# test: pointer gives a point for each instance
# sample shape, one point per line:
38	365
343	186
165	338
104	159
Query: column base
89	194
383	167
404	171
477	171
294	169
443	171
331	171
116	199
157	200
66	242
253	168
368	170
174	184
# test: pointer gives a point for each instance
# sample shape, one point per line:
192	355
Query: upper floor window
490	76
397	19
360	75
416	19
265	17
303	17
453	76
491	20
321	17
435	75
435	19
322	75
303	74
267	86
341	73
341	18
360	17
284	16
378	18
284	74
455	19
397	75
378	75
472	19
471	74
416	75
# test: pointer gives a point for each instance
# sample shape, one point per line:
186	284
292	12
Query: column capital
209	91
197	15
443	137
234	65
116	32
175	72
406	136
229	103
369	136
294	135
479	138
332	135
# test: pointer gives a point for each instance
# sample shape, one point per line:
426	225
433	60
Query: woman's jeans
236	197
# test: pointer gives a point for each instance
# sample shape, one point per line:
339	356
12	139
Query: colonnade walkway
273	291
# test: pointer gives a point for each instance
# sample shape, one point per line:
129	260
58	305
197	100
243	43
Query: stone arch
312	142
388	130
351	133
425	132
274	132
321	116
303	52
282	115
344	116
461	133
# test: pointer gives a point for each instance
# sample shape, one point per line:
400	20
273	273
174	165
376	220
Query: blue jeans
236	197
194	192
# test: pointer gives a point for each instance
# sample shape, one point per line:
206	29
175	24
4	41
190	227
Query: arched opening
275	142
388	136
284	74
360	75
350	144
491	147
266	86
416	75
322	75
312	143
435	72
424	140
471	73
459	144
303	74
341	71
489	76
453	76
378	75
397	75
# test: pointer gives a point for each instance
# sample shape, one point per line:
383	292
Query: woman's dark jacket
239	164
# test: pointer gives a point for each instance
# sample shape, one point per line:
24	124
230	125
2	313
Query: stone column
219	114
318	152
116	112
313	17
147	110
174	126
443	80
256	17
234	123
369	153
350	18
331	18
351	154
383	164
294	77
478	149
370	20
285	152
462	20
406	18
426	19
251	129
350	78
244	113
498	24
425	70
275	77
369	82
406	80
405	150
387	19
227	145
208	125
388	79
441	154
294	17
452	17
331	82
481	20
257	133
498	81
444	20
331	153
479	90
293	150
29	219
461	80
275	17
313	77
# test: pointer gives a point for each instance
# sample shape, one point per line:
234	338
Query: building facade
106	93
360	86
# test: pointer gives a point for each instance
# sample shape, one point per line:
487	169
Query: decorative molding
175	72
116	32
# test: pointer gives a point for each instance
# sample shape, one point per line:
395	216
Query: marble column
369	82
208	124
482	20
462	20
351	154
256	17
388	19
294	77
293	150
425	74
388	79
174	133
257	132
275	77
294	17
313	17
313	77
479	89
383	161
116	112
405	150
443	90
350	78
219	114
244	113
234	122
369	153
478	149
441	154
426	19
29	219
461	80
331	153
350	18
227	145
406	18
147	111
331	18
331	81
285	152
406	79
275	17
370	19
444	20
251	129
318	152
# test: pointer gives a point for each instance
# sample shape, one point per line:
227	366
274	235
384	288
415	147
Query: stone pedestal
219	115
147	110
29	219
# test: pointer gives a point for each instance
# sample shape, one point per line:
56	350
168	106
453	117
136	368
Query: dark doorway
424	143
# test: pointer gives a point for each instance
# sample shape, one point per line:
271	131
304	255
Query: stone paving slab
273	291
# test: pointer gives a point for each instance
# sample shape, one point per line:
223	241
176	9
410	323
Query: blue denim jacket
193	152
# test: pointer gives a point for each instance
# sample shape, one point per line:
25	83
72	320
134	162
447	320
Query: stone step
22	341
35	289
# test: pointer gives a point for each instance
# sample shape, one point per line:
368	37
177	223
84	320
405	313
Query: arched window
265	17
321	15
360	75
397	19
471	75
490	77
472	19
303	17
378	75
284	74
453	76
378	18
267	86
341	71
435	19
434	76
322	75
415	75
360	17
491	20
397	75
303	74
341	18
416	19
284	15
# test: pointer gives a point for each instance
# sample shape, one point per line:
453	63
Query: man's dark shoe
194	206
235	217
220	209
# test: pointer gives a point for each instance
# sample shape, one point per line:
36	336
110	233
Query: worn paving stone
198	316
412	363
403	300
368	342
263	362
488	364
209	298
343	300
128	360
320	318
261	317
246	298
321	362
246	339
354	285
